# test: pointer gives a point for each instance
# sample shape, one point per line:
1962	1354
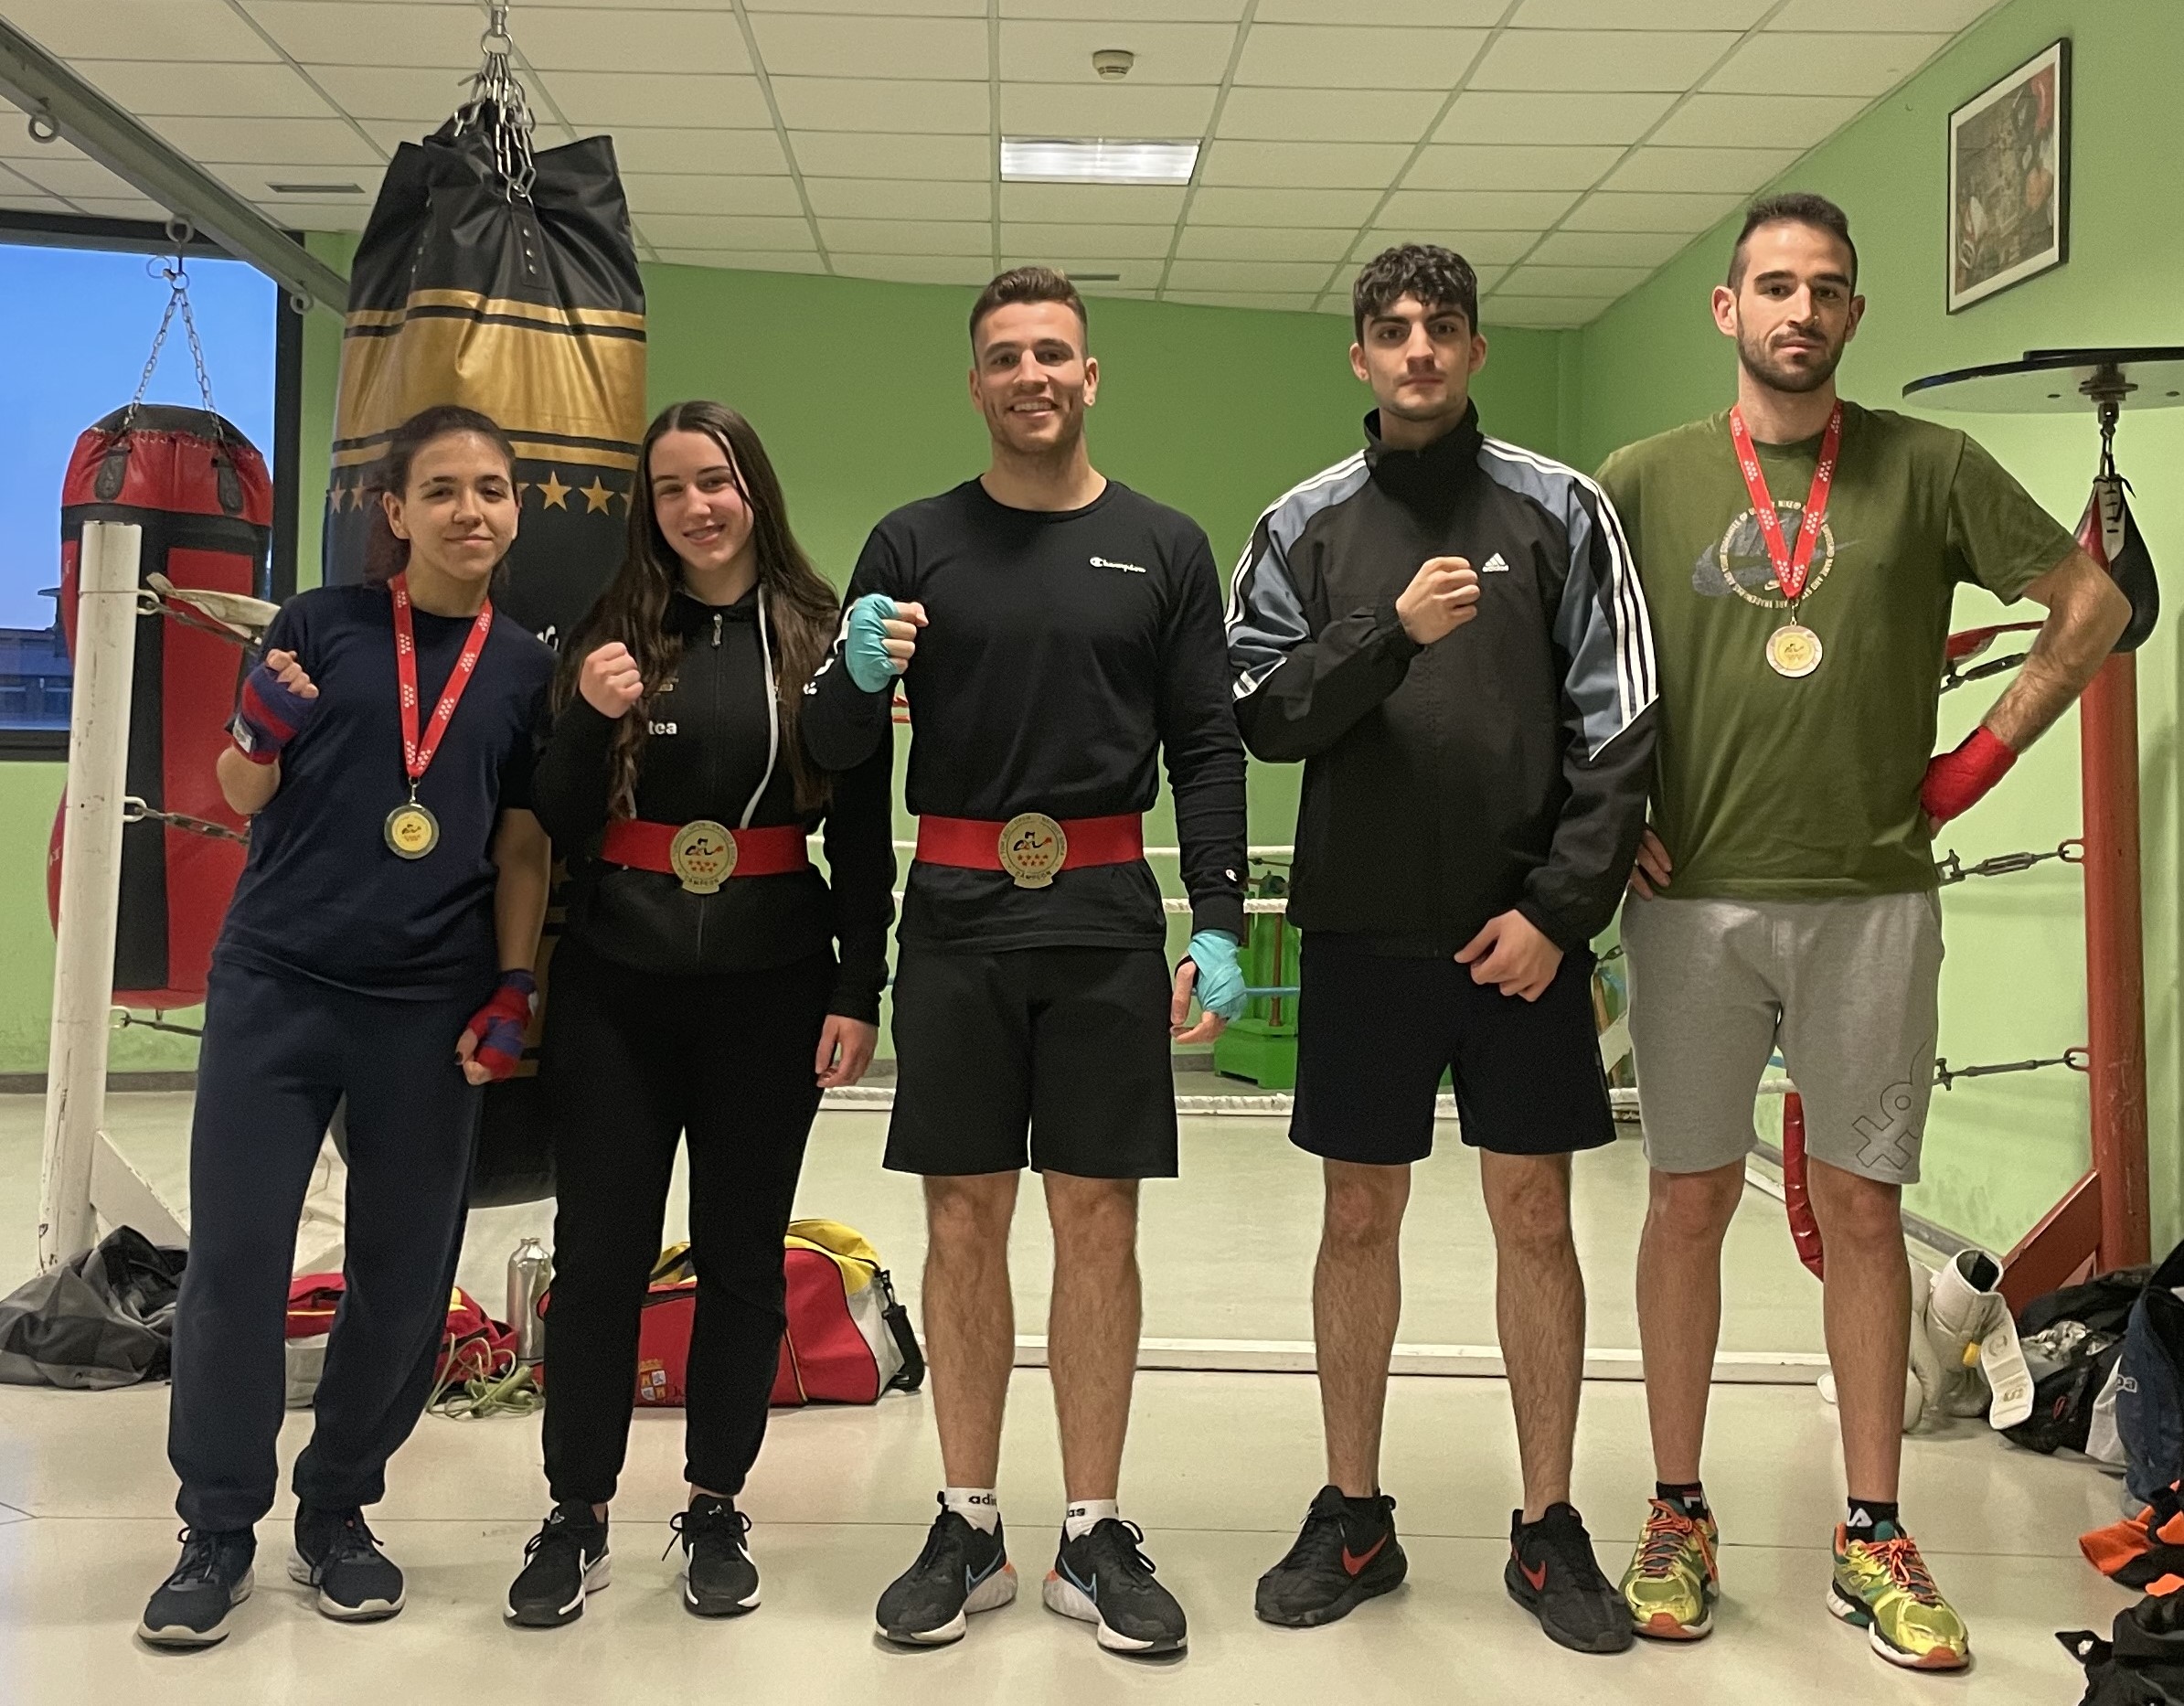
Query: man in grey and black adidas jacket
1448	631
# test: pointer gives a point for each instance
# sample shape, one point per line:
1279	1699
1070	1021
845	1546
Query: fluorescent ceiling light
1095	160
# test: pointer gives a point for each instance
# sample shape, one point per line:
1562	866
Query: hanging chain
497	107
136	811
1953	870
1946	1075
176	273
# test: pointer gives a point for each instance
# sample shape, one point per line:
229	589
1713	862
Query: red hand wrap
1956	781
497	1028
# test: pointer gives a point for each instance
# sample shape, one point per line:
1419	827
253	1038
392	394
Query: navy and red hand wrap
1956	781
268	716
497	1028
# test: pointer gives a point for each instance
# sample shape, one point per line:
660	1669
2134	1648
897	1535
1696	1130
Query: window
85	297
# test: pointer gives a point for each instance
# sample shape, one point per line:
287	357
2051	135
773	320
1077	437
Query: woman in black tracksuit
694	989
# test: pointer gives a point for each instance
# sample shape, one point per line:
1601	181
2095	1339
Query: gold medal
1794	650
1033	847
702	856
411	831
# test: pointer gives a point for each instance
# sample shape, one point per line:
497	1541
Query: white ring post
90	882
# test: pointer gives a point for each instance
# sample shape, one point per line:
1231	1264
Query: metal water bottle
531	1272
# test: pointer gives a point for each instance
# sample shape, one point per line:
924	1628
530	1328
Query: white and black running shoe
718	1577
962	1569
190	1607
1104	1578
566	1560
337	1554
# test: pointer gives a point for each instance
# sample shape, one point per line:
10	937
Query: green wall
2001	1151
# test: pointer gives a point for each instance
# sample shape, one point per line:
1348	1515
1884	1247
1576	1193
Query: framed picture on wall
2010	179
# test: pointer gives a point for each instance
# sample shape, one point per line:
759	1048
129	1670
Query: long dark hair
800	605
385	556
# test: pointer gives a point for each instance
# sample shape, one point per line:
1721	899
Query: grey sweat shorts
1845	989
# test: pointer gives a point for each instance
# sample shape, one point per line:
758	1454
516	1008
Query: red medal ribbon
1790	572
417	756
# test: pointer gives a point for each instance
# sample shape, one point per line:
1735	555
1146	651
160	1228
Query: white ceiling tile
1478	209
1653	14
1094	203
747	259
1769	120
273	141
1881	14
691	192
630	38
346	215
1279	302
1650	212
1811	64
1308	275
1246	242
1482	248
1304	56
255	183
1533	280
855	103
597	99
907	236
1135	242
1125	11
22	198
1739	170
1224	205
138	30
72	177
1497	117
1610	248
1313	166
849	154
1491	166
885	198
1061	52
1544	312
1329	114
1173	110
1621	60
965	270
14	139
941	48
1442	12
413	97
1132	272
725	231
724	153
372	32
150	89
864	8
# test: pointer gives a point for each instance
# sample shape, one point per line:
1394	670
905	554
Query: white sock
1084	1515
978	1506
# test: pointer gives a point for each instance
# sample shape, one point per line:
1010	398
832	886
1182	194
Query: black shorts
1375	1033
1054	1057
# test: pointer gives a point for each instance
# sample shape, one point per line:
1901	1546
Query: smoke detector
1112	64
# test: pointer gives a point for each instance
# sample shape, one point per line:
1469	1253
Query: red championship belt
703	854
1031	847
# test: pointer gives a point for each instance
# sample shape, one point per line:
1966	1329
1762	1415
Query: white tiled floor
1221	1467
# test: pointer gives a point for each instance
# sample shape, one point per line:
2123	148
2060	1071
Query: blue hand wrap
1220	980
865	646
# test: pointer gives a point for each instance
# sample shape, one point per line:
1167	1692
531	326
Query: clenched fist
1442	597
610	680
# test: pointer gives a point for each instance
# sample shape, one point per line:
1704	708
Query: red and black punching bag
199	490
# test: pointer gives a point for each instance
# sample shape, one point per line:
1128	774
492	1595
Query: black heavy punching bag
506	282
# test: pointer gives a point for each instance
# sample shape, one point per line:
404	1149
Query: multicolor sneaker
1672	1583
1881	1586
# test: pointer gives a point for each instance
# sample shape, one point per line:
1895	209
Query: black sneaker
962	1569
191	1606
566	1560
1337	1564
337	1554
718	1578
1104	1578
1553	1575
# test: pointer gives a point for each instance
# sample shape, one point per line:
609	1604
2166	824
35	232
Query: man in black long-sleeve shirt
1448	630
1066	633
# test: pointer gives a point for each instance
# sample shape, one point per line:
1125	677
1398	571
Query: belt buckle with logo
1033	847
702	856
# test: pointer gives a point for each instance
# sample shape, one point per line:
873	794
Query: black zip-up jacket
716	750
1504	766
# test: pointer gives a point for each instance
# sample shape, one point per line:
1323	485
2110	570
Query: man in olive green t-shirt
1799	555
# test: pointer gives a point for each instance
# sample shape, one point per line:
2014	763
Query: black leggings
633	1062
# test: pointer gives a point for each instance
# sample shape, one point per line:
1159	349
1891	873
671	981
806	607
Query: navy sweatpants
278	1053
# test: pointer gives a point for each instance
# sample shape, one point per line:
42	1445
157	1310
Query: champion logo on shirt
1494	565
1102	562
